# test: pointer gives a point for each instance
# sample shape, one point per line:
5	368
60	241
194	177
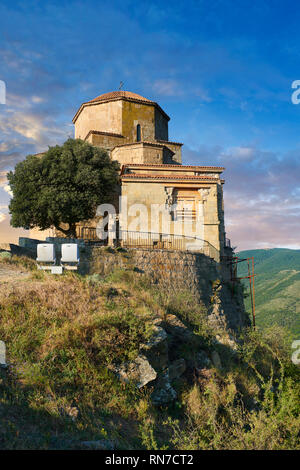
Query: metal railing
166	241
88	233
153	240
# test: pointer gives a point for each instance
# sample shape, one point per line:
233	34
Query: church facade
172	201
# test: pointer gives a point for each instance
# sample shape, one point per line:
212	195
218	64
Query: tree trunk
70	232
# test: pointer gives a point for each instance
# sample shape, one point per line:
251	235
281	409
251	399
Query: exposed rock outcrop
227	309
177	368
177	329
163	392
216	360
156	350
154	366
139	371
202	361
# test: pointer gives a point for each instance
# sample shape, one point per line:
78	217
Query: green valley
277	287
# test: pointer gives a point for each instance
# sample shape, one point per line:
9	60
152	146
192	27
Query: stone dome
113	95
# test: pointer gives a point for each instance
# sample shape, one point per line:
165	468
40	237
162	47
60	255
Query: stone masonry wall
205	280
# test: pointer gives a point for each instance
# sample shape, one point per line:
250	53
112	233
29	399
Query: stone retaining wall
205	280
173	269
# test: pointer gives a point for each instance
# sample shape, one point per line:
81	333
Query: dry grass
17	261
62	336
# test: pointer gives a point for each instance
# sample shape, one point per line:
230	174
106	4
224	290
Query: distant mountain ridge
277	287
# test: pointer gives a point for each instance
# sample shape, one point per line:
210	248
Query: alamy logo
2	353
2	92
295	95
296	354
186	220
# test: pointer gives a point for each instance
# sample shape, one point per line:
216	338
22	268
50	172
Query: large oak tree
63	187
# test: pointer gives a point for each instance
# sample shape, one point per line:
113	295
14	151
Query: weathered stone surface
227	311
139	371
176	328
2	354
152	366
227	340
176	369
216	360
156	350
202	360
207	281
163	392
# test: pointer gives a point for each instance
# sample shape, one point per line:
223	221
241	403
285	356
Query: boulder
163	392
156	350
139	371
202	360
3	363
177	329
216	360
227	311
176	369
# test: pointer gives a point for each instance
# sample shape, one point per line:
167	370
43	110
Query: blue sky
221	69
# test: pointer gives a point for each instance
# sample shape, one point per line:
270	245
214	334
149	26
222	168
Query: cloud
2	217
216	57
37	99
242	153
261	194
3	179
170	87
167	87
31	126
261	223
18	101
7	189
9	234
4	183
4	146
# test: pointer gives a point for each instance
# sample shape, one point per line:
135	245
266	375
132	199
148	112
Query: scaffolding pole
234	260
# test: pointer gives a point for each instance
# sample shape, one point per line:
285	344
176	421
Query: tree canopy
64	186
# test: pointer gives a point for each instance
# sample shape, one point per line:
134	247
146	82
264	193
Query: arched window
138	133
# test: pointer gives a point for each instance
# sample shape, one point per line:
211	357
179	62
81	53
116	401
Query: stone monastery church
134	130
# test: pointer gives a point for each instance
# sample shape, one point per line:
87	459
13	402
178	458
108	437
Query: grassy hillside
277	287
64	333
